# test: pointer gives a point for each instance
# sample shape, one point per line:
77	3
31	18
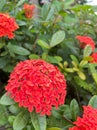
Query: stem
34	45
68	120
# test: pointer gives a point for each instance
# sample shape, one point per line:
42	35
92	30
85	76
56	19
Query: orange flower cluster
29	10
85	40
7	25
36	84
88	121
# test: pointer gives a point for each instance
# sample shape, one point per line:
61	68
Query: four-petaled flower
36	84
7	25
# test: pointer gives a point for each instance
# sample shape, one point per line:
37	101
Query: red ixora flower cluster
7	25
37	85
85	40
88	121
94	57
29	10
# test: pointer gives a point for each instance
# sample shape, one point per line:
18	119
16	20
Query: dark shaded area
2	128
3	81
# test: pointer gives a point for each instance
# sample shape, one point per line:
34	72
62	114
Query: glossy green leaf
21	23
51	59
43	44
11	119
74	59
67	112
93	71
68	2
2	3
6	100
3	62
57	38
67	127
20	121
21	2
8	68
2	45
18	49
56	113
83	63
3	115
38	121
87	86
58	58
81	75
14	109
93	101
51	13
87	51
74	108
4	53
45	10
33	56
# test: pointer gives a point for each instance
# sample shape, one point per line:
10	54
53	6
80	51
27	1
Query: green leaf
43	44
87	86
8	68
93	101
81	75
57	38
68	2
4	53
18	49
74	108
45	10
14	109
51	59
67	112
67	127
2	3
74	59
11	119
38	121
3	62
3	115
58	58
20	2
56	113
33	56
6	100
51	13
54	122
54	128
83	63
20	121
93	72
2	45
21	23
87	51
